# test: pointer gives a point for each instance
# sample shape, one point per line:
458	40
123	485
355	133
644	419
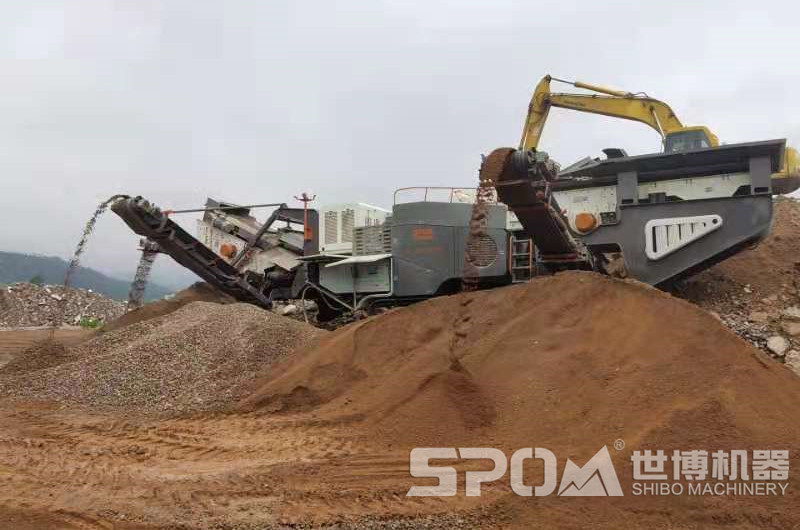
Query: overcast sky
256	101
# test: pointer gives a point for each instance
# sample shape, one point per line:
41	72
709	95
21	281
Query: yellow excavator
638	107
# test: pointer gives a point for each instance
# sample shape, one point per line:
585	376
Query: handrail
451	195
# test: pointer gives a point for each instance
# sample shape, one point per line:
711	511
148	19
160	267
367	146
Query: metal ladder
522	261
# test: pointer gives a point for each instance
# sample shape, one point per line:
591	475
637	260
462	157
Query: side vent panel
348	223
331	227
665	236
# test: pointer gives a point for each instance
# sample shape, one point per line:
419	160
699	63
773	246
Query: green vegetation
90	322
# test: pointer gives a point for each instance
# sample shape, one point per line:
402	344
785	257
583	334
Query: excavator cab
689	139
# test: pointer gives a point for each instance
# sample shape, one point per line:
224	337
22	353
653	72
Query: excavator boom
639	107
615	103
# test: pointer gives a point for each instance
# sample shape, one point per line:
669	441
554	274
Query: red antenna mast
305	199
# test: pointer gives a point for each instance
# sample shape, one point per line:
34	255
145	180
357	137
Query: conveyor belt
149	221
526	197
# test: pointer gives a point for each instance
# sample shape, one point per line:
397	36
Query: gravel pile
199	292
198	358
28	305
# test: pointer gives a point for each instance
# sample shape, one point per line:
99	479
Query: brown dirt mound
770	267
199	292
570	363
44	354
23	350
774	264
199	357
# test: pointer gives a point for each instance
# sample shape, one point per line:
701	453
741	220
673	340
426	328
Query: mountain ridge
21	267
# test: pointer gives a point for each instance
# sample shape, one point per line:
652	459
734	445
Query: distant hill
15	267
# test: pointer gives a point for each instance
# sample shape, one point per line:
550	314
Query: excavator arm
615	103
644	109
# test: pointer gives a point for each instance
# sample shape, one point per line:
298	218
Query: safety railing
437	194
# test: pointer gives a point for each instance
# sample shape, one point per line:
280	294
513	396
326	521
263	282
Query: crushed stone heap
29	305
199	357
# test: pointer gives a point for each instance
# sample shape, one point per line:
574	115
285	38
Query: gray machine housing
426	257
744	217
428	246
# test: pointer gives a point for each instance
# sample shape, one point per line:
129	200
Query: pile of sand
770	267
570	363
774	264
199	292
199	357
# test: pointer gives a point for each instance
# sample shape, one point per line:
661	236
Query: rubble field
30	305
